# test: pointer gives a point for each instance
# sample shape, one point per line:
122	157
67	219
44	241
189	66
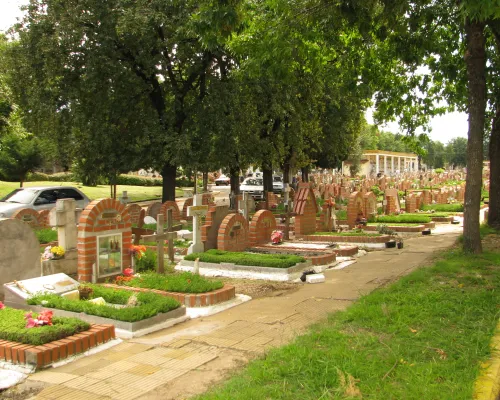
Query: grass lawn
457	207
135	193
423	337
45	235
346	234
251	259
403	218
13	328
185	282
393	224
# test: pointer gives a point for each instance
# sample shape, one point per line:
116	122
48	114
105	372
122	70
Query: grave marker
197	211
62	216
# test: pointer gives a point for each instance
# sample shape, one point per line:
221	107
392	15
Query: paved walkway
179	362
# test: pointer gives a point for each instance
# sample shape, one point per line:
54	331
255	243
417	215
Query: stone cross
197	210
124	199
159	238
63	217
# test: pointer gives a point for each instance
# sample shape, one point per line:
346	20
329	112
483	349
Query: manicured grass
393	224
45	235
135	193
12	328
149	304
440	214
252	259
346	234
185	282
423	337
445	207
403	218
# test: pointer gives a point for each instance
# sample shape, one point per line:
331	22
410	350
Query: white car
222	180
277	184
254	187
40	198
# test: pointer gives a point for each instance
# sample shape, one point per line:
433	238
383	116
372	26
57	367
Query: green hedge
445	207
419	219
12	327
150	304
185	282
41	177
251	259
346	234
45	235
136	180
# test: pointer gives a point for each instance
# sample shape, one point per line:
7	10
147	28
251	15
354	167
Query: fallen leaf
348	385
413	330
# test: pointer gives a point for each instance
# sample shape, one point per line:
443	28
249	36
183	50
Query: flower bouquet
277	237
44	318
53	253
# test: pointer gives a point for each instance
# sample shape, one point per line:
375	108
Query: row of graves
94	282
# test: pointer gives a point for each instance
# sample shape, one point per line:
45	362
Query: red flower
2	306
128	272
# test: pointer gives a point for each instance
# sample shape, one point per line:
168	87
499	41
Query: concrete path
179	362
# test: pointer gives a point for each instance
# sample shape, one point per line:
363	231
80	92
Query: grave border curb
40	356
227	292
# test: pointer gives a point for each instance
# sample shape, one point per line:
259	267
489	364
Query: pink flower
31	323
28	315
128	272
45	317
2	306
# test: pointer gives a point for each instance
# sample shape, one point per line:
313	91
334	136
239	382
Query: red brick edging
43	355
317	259
226	293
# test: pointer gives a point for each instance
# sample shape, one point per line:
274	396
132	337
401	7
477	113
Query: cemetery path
185	360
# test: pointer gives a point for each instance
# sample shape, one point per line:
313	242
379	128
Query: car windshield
21	196
253	182
277	179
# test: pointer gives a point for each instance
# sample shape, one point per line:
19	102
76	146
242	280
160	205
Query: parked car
254	187
40	198
222	180
277	184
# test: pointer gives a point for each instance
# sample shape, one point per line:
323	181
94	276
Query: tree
18	156
456	152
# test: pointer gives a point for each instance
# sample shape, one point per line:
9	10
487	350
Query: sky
444	128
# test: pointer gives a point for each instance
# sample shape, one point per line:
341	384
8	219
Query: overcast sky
444	127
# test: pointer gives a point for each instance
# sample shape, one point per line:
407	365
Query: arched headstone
154	209
134	211
262	225
20	252
27	215
233	233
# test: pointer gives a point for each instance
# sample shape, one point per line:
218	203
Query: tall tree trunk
305	174
168	172
267	176
494	152
21	183
205	181
475	59
234	177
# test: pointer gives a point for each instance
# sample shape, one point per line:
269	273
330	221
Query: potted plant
391	244
399	242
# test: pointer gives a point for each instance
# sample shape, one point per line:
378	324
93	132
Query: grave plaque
17	292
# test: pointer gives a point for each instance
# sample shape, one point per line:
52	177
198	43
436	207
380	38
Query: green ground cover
13	328
252	259
394	224
445	207
185	282
149	304
440	214
45	235
135	193
403	218
423	337
346	234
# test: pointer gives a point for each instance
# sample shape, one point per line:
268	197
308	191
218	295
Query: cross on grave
62	216
159	238
245	205
197	210
288	206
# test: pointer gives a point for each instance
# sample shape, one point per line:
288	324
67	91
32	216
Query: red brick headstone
355	208
262	225
233	233
210	230
305	209
104	239
27	215
134	211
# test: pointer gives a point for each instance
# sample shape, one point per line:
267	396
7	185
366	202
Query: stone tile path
187	359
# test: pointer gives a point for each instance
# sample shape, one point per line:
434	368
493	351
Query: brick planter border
227	292
44	355
316	259
345	239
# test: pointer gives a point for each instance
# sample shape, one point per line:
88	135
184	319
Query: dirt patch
491	242
258	289
25	390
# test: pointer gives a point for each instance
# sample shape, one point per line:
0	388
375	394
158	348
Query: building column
385	165
377	163
392	165
399	164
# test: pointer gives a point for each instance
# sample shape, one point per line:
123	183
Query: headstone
197	211
16	293
159	238
62	216
210	229
124	199
20	252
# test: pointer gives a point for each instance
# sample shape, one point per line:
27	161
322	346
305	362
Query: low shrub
136	180
346	234
45	235
403	218
439	170
13	328
148	262
149	304
41	177
185	282
341	214
259	260
457	207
